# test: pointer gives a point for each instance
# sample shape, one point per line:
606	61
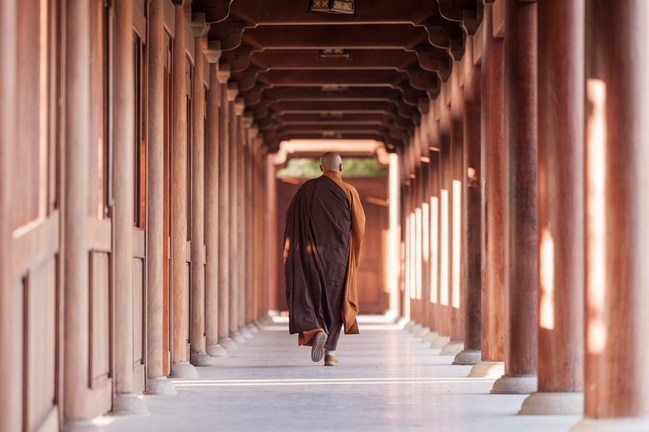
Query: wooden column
433	179
520	207
457	288
125	402
224	211
212	220
443	318
424	198
271	266
180	289
75	217
199	355
234	196
157	382
492	161
10	405
242	226
617	276
471	254
560	209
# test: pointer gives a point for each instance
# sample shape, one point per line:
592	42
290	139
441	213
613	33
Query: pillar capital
223	73
213	52
199	26
239	106
232	92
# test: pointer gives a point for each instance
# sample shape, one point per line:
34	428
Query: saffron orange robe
325	225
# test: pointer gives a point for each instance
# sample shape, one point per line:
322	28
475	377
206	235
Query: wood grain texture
617	276
521	278
492	162
560	195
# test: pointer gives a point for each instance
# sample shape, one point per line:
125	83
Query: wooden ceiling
306	75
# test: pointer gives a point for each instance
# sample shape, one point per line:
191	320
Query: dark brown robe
325	224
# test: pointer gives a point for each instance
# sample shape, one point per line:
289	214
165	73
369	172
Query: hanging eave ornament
333	6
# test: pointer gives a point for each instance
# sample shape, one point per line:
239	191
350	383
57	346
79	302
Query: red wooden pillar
10	404
560	209
471	254
180	366
520	205
198	356
492	161
616	386
157	382
125	401
443	318
433	178
456	192
212	196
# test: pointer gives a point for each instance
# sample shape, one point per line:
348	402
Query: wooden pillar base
452	348
201	359
553	403
440	342
238	338
414	328
227	343
467	357
245	332
508	384
253	328
128	404
216	351
183	369
159	386
408	325
620	424
422	332
486	369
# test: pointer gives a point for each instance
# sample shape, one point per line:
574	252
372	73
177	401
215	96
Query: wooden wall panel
100	321
40	318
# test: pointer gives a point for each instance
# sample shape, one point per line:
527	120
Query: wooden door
36	276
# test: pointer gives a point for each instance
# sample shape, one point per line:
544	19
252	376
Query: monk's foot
317	349
330	360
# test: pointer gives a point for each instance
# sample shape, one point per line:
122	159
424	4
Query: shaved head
331	161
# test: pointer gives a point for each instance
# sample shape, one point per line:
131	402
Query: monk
325	224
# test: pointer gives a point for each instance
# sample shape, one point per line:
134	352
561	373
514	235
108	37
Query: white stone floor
386	380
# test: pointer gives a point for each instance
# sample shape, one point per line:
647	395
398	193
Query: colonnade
520	227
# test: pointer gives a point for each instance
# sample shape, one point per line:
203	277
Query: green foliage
352	167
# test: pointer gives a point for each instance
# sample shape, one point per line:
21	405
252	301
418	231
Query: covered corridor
146	151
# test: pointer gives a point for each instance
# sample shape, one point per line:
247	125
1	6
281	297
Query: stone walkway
386	380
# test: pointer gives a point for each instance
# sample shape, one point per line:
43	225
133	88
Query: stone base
245	332
422	332
429	337
216	351
452	348
553	403
486	369
515	385
227	343
159	386
252	327
403	322
440	342
409	324
80	426
467	357
128	404
183	370
201	359
621	424
238	338
415	328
